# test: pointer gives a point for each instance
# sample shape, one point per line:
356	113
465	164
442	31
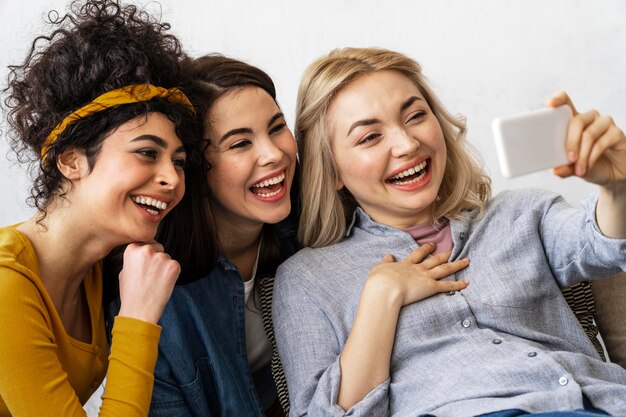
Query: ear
73	164
338	183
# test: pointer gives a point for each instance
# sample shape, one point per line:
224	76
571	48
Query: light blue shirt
507	341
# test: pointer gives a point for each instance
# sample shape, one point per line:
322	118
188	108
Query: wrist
138	315
382	290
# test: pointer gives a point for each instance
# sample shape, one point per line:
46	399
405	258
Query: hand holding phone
532	141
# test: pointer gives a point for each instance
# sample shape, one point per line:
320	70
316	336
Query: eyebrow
408	103
242	130
274	118
160	142
365	122
235	132
368	122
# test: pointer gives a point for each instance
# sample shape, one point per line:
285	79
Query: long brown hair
189	232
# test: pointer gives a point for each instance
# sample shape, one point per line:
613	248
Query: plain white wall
485	58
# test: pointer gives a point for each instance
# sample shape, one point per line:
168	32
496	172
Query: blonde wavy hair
325	210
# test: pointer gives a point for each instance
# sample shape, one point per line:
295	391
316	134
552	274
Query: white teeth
269	194
410	171
269	182
147	201
412	180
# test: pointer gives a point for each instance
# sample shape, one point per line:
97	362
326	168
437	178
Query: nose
168	175
269	152
404	144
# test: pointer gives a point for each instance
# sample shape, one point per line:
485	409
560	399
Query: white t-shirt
258	346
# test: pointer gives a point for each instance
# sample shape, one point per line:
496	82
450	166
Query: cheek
229	173
181	188
357	171
290	145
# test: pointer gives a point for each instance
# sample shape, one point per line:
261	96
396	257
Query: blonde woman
385	169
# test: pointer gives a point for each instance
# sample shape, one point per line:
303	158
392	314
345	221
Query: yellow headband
126	95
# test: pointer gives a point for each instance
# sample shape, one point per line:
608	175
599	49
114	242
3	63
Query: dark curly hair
98	46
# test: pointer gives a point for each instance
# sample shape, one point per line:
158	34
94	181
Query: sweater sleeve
309	351
33	381
134	350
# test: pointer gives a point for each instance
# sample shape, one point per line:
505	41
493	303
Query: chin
275	218
141	237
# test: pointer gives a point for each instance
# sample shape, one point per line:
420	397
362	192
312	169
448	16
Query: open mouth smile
151	205
411	175
270	187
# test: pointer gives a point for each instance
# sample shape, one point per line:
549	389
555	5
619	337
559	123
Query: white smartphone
532	141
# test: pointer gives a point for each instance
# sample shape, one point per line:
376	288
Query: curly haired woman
97	112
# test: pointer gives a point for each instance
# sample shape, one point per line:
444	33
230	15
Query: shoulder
14	246
316	258
534	196
524	201
18	265
310	269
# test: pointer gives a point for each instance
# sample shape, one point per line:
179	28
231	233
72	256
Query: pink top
426	233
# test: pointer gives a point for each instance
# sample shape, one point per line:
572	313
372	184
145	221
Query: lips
411	175
149	204
270	187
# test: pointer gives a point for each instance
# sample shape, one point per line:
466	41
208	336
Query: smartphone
532	141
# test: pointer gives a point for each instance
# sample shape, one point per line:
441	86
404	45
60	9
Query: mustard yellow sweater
46	372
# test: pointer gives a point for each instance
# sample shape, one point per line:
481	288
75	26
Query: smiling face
253	156
136	180
388	148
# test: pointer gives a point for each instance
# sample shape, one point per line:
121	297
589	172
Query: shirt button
563	380
496	341
532	354
466	323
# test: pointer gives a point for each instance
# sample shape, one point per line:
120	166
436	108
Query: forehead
241	107
151	124
371	93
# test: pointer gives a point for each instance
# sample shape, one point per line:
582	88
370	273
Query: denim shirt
507	341
202	368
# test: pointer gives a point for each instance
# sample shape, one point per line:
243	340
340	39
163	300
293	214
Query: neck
66	251
239	244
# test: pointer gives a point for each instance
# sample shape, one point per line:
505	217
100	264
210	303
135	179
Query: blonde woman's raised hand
596	147
146	281
417	277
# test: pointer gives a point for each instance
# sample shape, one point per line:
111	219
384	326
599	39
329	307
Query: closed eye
369	138
277	128
240	144
148	153
180	163
416	116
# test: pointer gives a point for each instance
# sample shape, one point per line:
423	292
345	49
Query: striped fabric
580	300
578	297
266	288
